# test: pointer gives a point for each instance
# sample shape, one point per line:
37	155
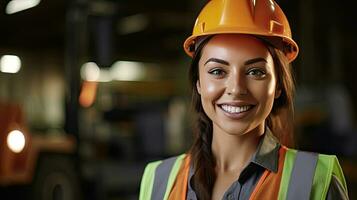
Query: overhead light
15	6
105	75
127	71
119	71
90	71
10	64
16	141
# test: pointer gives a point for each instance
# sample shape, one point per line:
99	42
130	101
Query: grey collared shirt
266	157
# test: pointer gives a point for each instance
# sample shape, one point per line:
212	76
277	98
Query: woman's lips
235	111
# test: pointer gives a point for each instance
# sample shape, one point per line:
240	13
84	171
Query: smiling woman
237	85
242	93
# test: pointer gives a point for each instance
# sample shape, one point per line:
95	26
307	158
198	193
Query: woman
242	92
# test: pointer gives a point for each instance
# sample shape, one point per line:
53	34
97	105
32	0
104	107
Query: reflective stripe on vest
325	167
305	176
159	178
160	181
302	176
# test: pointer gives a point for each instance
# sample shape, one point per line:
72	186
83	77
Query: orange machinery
44	163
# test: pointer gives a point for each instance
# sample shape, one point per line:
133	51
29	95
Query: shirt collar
266	155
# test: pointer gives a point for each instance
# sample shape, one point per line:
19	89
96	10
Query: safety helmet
262	18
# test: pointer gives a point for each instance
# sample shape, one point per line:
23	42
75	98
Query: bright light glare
120	70
10	64
127	71
20	5
104	76
16	141
90	71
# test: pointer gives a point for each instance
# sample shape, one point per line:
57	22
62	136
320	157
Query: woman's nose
236	85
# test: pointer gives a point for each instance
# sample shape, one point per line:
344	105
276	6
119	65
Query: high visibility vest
301	175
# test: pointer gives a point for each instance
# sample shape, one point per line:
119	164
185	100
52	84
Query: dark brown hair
201	153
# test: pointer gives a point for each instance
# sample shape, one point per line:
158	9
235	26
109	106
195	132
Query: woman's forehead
241	45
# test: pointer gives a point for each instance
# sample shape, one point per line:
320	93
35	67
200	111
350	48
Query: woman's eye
256	72
217	72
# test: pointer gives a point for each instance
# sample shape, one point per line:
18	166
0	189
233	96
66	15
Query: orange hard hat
262	18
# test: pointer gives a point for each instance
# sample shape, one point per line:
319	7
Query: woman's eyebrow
217	60
254	60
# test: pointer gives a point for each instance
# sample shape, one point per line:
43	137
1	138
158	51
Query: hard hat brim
291	54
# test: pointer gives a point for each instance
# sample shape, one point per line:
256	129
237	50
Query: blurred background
92	90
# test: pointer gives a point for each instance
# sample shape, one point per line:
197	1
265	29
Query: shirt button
230	197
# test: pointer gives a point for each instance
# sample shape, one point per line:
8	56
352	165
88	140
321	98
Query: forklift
99	149
42	164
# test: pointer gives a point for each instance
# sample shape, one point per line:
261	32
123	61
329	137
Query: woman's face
237	83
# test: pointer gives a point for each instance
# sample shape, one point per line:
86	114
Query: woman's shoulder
321	163
160	175
164	166
324	169
294	152
166	162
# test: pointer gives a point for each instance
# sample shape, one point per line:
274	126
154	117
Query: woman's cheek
211	88
271	86
262	89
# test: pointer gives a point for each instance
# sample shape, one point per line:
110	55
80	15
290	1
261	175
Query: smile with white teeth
235	109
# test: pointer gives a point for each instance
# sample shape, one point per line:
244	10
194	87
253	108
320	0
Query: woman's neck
233	152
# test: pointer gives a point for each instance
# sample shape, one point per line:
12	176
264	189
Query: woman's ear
198	86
